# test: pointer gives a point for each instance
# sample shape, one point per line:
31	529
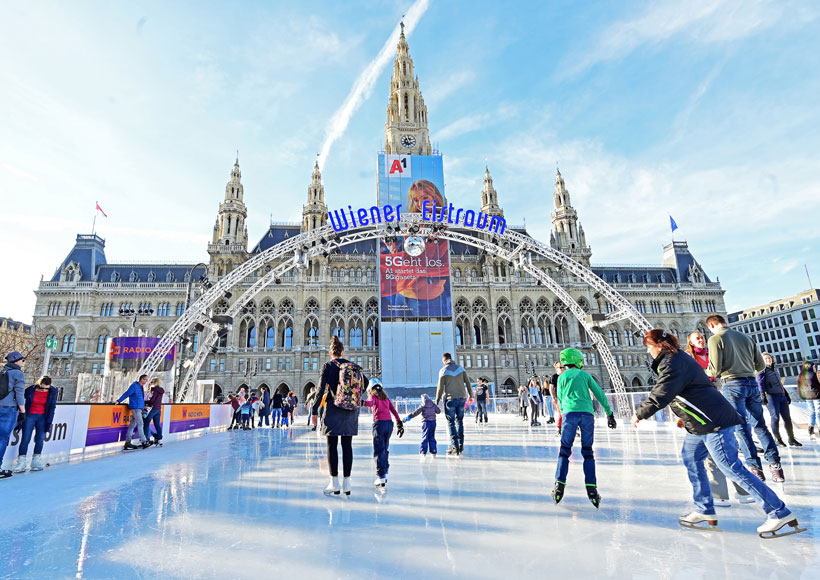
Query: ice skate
794	443
145	444
695	520
346	485
594	497
722	502
758	472
744	498
452	451
769	529
550	421
20	464
129	446
777	473
558	492
333	487
5	473
779	442
37	463
380	482
813	433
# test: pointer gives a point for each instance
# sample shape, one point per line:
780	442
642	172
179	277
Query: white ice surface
250	505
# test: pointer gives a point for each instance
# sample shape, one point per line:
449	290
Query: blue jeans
481	413
779	407
264	416
814	412
153	415
571	423
36	424
276	416
8	419
382	430
550	410
136	424
722	446
428	437
454	411
744	395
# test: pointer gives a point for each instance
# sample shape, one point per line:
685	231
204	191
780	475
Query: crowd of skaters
717	388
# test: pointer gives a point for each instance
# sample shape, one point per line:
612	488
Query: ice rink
249	504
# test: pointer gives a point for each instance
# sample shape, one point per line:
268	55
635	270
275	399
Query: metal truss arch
513	247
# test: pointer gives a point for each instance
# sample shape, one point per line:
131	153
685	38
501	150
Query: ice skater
532	393
286	413
808	388
481	392
710	421
41	402
574	386
553	387
382	429
340	389
454	386
155	413
136	404
777	399
428	411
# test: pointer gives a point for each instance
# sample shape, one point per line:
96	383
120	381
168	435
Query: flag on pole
672	223
99	209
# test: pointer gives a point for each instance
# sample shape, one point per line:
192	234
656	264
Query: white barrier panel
101	429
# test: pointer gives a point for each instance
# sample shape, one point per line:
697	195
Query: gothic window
479	330
356	304
462	306
312	332
474	274
285	331
372	306
337	329
151	276
504	330
661	278
68	343
561	331
180	310
115	276
270	337
286	307
101	340
133	277
613	337
337	307
355	334
459	335
640	306
311	306
169	277
670	307
267	306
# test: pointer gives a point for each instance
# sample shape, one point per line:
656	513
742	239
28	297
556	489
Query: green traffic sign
51	343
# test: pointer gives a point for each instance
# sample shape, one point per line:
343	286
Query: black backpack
4	384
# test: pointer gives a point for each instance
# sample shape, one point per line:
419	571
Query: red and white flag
99	209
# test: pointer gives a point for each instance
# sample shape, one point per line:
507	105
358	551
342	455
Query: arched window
459	335
252	336
68	343
270	337
356	335
101	340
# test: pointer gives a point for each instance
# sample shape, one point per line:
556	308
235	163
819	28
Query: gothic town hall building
504	321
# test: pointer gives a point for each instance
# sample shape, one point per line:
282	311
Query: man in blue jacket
136	402
12	402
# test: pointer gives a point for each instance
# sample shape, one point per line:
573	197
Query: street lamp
185	340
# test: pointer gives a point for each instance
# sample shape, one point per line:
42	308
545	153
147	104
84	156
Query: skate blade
777	534
707	528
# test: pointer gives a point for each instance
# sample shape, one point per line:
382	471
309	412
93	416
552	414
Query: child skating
428	411
382	428
574	386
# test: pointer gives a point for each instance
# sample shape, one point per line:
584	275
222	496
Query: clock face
408	141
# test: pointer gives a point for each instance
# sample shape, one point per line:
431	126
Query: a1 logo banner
398	166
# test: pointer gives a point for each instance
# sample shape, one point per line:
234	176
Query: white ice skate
380	482
37	463
723	502
695	520
346	485
769	529
20	464
333	487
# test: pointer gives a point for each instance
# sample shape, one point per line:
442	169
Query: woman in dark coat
710	422
338	424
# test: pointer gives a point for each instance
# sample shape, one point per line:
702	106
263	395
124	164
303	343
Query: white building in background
788	329
504	321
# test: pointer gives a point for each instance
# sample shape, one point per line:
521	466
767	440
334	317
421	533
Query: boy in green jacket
575	402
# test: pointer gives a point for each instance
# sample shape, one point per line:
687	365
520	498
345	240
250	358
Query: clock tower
406	130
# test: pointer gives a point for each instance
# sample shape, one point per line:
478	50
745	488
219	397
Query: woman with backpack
342	381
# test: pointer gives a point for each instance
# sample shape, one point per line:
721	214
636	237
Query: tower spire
567	235
314	212
489	196
406	130
229	246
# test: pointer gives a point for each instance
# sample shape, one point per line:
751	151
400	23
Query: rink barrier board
87	430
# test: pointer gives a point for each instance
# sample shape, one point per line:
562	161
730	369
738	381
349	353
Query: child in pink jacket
382	428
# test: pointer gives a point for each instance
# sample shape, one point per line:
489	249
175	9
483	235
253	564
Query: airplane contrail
363	86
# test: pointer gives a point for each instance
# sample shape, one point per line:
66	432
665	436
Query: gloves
400	429
788	399
406	419
610	422
21	417
765	399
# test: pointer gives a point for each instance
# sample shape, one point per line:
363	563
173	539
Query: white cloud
701	21
363	86
440	89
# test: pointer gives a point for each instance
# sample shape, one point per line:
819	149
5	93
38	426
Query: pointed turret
314	212
567	231
406	129
229	247
489	196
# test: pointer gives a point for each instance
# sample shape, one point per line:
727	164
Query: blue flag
673	224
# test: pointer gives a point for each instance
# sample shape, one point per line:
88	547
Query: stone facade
504	321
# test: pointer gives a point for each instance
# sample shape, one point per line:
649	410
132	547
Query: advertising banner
107	424
187	417
129	352
57	440
414	288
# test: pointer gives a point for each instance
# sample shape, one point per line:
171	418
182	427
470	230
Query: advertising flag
672	224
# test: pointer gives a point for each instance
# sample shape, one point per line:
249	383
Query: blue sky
705	110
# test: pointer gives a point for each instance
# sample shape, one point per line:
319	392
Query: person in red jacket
41	402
